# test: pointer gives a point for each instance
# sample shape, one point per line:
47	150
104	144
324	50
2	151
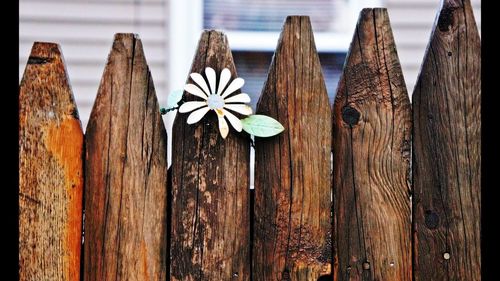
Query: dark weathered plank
292	223
210	187
126	172
447	150
50	170
371	158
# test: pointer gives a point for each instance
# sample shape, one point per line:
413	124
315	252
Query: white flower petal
238	98
235	122
223	127
194	90
191	105
196	115
201	82
210	73
225	75
240	108
234	86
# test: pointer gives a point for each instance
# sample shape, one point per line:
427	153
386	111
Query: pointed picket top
447	149
126	172
50	170
210	238
292	221
371	158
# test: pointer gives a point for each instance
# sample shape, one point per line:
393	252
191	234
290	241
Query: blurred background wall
170	30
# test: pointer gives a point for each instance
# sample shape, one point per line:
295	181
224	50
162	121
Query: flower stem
164	111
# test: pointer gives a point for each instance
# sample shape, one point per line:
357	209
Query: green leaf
261	126
174	97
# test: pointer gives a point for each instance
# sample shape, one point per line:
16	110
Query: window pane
268	15
253	67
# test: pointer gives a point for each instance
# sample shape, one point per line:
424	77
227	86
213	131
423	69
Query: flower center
215	102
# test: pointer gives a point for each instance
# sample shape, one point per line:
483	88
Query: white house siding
412	22
85	30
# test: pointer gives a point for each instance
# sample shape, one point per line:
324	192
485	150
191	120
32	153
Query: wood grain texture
371	158
210	234
447	150
50	170
126	172
292	223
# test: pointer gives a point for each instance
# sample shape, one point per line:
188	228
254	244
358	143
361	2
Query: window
253	28
268	15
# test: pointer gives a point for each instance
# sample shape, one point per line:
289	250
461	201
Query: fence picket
126	172
210	237
371	158
50	170
292	223
198	220
447	150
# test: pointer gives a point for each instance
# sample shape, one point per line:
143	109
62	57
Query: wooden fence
402	201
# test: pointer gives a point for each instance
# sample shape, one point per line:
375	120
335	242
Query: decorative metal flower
218	100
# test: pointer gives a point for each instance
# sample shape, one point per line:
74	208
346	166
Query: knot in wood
74	113
366	265
445	20
325	278
285	276
39	60
431	219
350	115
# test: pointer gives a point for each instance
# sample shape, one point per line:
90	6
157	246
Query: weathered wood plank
371	158
210	234
292	224
126	172
50	170
447	150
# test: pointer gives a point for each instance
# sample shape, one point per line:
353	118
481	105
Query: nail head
446	256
